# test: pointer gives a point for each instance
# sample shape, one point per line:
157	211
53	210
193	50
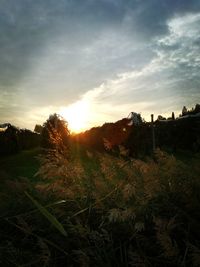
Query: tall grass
112	211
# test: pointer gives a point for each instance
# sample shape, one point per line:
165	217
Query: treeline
193	111
53	134
172	134
137	139
13	140
181	134
108	136
134	134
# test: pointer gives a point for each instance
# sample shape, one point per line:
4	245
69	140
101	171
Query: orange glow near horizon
76	115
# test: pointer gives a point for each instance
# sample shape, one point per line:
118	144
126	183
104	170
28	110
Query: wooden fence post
153	133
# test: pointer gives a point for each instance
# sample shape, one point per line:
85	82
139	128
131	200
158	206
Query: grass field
23	164
94	209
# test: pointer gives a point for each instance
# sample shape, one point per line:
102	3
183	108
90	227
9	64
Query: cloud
53	53
171	77
27	28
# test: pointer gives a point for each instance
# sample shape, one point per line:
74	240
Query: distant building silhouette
135	118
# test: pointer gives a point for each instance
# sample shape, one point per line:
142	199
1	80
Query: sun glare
76	115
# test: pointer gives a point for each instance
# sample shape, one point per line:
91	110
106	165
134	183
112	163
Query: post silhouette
153	133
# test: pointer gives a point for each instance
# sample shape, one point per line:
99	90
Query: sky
95	61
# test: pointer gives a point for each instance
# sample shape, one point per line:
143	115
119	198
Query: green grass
23	164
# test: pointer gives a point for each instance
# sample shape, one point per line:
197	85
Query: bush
55	133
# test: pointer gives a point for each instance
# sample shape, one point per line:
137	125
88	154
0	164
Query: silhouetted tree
38	128
173	116
113	134
197	108
160	117
184	111
12	139
28	139
55	134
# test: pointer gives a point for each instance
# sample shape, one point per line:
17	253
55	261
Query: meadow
85	208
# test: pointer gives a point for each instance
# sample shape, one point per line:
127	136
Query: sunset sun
76	115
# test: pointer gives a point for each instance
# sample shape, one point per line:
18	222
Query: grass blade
52	219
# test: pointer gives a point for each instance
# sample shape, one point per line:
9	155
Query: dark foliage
108	136
13	140
38	128
171	134
181	134
55	133
192	111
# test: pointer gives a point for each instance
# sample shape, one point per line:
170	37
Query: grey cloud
171	79
148	19
54	51
27	26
